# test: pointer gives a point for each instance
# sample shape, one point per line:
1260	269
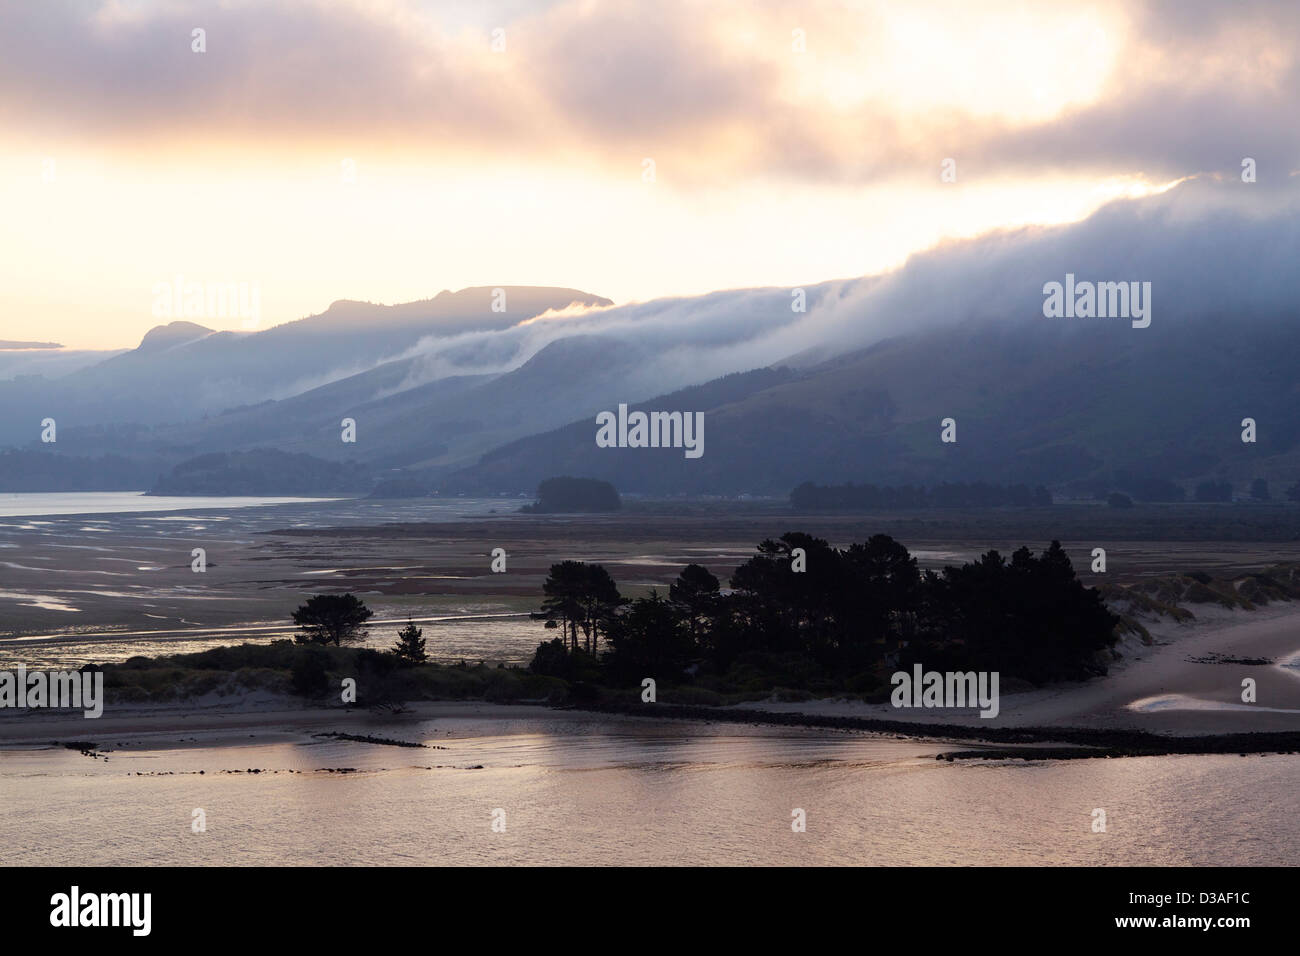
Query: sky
386	150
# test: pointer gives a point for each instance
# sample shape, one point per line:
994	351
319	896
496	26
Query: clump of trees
565	494
579	597
1149	488
802	611
851	497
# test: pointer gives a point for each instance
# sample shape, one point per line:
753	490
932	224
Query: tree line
802	611
850	497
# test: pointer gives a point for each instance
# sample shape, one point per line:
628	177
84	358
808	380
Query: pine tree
410	645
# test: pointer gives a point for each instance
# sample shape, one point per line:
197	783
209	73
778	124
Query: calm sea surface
610	791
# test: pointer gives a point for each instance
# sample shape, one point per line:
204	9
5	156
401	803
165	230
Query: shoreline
1091	719
1179	694
220	727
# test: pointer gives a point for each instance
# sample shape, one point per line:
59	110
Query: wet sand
125	582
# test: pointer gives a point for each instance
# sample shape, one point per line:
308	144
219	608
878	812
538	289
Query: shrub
308	674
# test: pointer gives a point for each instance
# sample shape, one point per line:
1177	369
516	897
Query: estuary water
39	504
106	576
582	789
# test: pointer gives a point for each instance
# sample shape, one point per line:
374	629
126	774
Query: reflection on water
45	601
499	637
611	791
113	502
148	557
284	512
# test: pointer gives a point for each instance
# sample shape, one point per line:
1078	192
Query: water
31	504
106	576
79	582
331	511
478	632
581	789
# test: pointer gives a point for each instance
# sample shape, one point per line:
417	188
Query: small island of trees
843	623
565	494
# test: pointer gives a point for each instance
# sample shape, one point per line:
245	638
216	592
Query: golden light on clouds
774	166
1013	61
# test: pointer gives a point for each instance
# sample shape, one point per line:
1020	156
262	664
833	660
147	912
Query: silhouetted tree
650	640
785	609
1030	617
600	602
410	645
694	595
880	598
562	601
580	595
551	658
331	619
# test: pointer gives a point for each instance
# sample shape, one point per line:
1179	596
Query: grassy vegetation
1167	595
316	673
284	667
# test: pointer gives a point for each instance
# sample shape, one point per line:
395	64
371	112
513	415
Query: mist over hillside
18	360
859	372
960	332
182	371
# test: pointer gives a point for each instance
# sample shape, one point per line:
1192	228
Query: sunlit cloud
791	142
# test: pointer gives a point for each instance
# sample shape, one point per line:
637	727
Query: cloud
1200	87
711	91
1210	249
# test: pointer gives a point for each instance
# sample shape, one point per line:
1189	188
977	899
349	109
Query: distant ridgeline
263	471
851	497
401	486
565	494
45	470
